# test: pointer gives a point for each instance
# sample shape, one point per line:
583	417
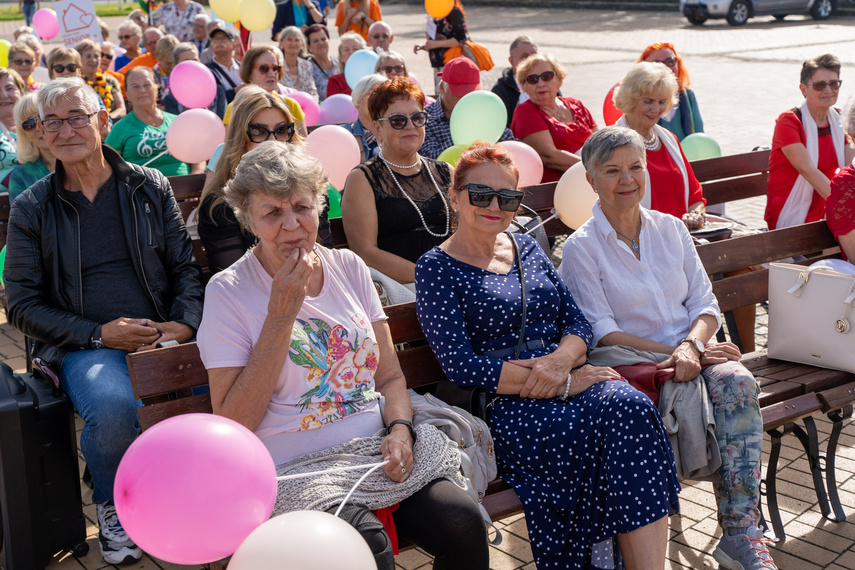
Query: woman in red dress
556	127
840	204
808	148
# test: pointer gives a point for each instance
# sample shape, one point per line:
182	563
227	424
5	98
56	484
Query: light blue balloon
359	64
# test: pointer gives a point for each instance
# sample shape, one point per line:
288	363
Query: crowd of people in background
434	231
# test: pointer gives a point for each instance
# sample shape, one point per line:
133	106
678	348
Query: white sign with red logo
77	21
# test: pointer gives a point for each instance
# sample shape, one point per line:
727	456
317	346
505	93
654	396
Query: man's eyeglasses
481	196
30	123
546	76
61	67
107	56
76	122
393	68
22	62
399	121
126	37
259	133
670	62
821	85
264	68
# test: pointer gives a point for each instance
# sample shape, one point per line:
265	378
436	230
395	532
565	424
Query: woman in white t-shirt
298	350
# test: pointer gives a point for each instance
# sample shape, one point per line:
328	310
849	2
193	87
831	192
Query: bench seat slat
778	392
792	410
502	504
822	379
838	397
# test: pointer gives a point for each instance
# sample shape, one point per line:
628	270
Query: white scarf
669	141
796	207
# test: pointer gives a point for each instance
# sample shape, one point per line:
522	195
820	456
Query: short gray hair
522	40
205	17
132	27
294	31
277	169
60	88
601	145
380	24
365	85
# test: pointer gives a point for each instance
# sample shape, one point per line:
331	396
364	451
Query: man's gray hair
205	17
132	27
57	89
380	24
601	145
522	40
279	170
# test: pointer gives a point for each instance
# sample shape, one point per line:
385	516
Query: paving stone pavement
744	78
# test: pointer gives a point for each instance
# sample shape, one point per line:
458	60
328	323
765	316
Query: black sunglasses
398	122
547	76
60	67
30	123
396	68
264	68
821	85
109	56
259	133
670	62
481	196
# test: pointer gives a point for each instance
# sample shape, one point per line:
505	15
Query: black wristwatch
407	423
95	342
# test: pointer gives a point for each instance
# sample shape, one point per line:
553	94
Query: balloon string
333	470
155	157
361	479
552	217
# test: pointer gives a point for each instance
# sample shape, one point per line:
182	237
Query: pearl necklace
407	196
413	165
652	142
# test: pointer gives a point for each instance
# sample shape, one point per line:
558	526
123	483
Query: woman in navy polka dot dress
586	452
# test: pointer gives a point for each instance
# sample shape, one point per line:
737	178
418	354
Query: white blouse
657	297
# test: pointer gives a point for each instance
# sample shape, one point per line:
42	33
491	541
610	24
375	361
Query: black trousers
440	518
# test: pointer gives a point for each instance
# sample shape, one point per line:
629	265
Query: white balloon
574	197
41	75
304	540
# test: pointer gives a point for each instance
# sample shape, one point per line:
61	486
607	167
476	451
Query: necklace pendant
634	246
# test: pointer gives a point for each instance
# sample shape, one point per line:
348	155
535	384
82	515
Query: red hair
384	94
682	75
481	152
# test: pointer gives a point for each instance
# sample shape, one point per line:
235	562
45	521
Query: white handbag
811	316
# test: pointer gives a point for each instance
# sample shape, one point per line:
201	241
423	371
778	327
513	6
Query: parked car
737	12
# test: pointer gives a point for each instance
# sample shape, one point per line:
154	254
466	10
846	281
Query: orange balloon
611	113
439	8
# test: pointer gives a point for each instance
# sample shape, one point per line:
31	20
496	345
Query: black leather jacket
44	284
507	90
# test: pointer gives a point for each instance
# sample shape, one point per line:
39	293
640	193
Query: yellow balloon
257	15
439	8
574	197
4	53
228	10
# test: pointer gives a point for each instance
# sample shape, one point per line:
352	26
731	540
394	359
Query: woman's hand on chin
289	286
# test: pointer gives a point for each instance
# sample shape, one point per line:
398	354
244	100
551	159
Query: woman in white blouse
297	72
636	276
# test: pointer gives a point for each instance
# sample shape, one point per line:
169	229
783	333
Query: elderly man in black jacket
99	264
507	87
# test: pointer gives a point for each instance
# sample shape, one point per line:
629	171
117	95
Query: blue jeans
98	383
29	10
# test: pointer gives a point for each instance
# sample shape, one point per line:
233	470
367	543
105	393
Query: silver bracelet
567	388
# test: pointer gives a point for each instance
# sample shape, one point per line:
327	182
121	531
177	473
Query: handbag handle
522	287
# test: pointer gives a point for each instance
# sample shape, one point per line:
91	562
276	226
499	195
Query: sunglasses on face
821	85
398	122
30	123
396	68
125	37
670	62
22	62
259	133
107	56
61	67
546	76
481	196
264	68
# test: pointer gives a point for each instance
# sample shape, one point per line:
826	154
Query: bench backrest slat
154	413
166	370
734	165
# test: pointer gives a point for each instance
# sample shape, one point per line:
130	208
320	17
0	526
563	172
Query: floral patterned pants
739	431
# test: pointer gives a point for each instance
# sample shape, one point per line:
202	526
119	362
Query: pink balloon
338	109
528	162
193	84
190	489
46	23
429	100
310	107
337	150
194	134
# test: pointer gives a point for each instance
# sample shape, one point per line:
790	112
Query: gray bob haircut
601	145
365	85
847	121
57	89
279	170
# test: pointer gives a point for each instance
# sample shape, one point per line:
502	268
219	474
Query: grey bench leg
836	417
810	442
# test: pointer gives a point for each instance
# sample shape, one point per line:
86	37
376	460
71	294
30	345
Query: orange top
146	59
358	27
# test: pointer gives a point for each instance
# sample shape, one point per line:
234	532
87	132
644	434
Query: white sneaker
116	546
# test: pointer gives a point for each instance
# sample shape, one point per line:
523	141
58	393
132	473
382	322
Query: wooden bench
790	392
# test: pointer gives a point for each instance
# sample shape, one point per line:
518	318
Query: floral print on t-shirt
341	370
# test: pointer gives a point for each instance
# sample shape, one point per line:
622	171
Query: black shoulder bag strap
522	288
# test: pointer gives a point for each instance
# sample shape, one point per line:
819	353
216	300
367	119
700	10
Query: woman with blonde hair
259	117
684	118
263	66
349	43
35	159
23	60
12	87
106	86
392	65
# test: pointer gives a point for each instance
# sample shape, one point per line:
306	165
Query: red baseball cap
462	76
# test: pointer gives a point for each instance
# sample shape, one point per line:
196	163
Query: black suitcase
39	479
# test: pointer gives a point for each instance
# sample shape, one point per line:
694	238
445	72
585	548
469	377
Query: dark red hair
384	94
682	74
481	152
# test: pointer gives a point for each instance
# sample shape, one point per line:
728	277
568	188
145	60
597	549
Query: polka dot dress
586	470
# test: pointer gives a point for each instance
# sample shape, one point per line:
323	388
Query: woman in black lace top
395	207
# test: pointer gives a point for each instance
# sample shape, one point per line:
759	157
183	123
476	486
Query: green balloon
698	146
452	154
480	115
335	202
2	265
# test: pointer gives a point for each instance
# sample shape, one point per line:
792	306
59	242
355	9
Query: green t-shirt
138	143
